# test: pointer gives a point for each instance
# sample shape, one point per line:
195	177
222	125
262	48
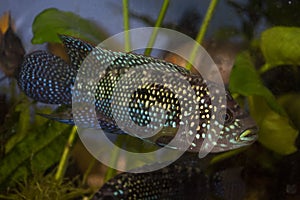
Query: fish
47	78
177	181
228	183
183	179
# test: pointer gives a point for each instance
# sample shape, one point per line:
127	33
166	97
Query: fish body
172	182
47	78
183	179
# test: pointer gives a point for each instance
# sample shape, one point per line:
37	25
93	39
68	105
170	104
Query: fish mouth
249	135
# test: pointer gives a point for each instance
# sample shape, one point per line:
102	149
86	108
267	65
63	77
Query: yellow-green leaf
40	149
277	134
275	131
280	46
51	22
291	103
245	80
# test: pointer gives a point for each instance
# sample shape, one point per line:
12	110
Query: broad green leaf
51	152
40	145
244	80
291	103
275	131
280	46
277	134
23	123
51	22
40	161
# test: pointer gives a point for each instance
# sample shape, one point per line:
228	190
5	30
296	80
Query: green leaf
280	46
23	122
244	80
51	22
275	131
41	149
291	103
277	134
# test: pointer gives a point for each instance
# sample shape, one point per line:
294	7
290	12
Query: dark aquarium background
256	46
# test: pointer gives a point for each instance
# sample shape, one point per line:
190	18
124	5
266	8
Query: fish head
220	128
238	130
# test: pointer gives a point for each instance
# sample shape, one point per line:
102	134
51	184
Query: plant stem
202	31
158	23
126	25
64	158
110	171
88	171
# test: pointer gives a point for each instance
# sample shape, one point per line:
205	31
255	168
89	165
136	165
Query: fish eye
226	116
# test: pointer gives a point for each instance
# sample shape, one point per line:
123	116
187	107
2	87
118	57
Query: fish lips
248	135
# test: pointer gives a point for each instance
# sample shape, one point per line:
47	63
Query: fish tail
46	78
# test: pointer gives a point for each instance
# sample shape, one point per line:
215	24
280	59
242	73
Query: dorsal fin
76	49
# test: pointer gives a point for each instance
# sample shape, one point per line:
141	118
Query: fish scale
182	180
47	78
77	50
117	68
